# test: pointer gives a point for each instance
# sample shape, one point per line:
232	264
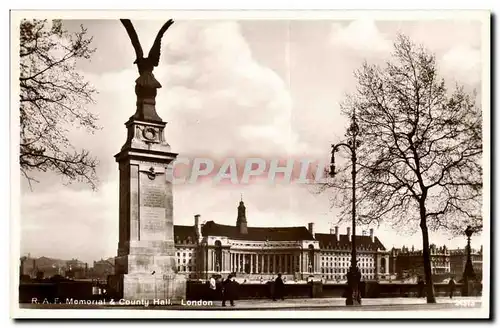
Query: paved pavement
370	304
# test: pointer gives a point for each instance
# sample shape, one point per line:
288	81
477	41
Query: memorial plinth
145	267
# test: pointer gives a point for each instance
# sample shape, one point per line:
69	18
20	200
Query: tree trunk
426	257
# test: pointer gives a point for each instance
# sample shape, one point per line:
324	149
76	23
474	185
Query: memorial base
140	286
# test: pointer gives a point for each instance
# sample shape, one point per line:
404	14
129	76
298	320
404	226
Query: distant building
103	268
458	258
262	252
407	264
49	267
76	269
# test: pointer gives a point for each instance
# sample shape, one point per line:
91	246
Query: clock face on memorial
149	133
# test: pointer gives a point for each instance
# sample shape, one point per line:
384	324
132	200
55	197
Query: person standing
451	287
279	288
212	288
421	287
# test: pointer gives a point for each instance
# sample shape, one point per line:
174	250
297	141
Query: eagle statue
146	65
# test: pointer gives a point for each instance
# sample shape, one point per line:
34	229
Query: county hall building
259	253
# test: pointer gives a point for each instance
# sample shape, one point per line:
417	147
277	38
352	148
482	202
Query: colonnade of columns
264	263
251	262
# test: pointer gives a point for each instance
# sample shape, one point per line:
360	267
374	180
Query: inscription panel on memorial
153	223
152	200
153	192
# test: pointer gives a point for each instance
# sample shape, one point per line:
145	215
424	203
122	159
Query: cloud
463	64
220	95
362	36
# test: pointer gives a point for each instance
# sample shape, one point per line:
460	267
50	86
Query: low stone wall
199	290
196	290
49	291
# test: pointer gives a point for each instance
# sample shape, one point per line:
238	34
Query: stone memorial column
145	265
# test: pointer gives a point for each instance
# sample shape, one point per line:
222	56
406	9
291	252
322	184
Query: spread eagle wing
154	53
133	37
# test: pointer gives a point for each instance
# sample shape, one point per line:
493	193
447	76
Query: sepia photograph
250	164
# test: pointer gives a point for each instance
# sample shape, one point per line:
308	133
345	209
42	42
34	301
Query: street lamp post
354	275
469	269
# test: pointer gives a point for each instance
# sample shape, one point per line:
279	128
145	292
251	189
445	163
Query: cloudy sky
231	88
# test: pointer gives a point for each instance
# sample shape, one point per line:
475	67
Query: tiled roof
364	242
211	228
183	232
260	234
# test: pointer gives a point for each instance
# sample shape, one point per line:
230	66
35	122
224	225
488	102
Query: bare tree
419	162
53	97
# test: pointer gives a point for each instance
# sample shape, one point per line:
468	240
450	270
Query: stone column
286	263
223	260
387	265
377	264
251	263
209	267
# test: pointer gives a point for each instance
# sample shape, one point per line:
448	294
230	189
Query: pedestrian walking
279	288
451	287
229	290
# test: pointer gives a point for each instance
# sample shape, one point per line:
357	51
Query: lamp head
469	231
332	170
